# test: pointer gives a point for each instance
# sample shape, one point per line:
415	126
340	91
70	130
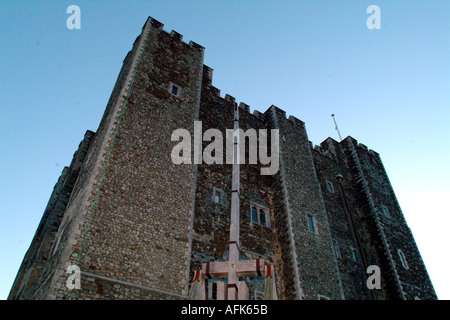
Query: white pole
336	127
234	219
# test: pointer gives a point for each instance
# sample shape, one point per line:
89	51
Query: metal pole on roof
336	127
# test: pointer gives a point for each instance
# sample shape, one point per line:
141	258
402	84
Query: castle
138	226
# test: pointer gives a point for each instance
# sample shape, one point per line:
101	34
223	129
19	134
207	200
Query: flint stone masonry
138	225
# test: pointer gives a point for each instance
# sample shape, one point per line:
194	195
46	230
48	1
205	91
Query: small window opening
254	215
260	215
403	259
354	254
174	89
330	187
311	226
218	196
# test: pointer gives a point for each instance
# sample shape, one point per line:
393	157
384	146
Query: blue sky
389	89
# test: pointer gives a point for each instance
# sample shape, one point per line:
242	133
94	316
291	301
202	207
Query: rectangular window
174	89
311	226
254	215
354	254
259	215
262	217
218	196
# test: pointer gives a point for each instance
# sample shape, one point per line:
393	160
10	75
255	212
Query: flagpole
234	219
336	127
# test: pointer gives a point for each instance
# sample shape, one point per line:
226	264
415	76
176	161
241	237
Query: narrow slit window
262	217
330	187
354	254
254	215
217	197
403	259
311	226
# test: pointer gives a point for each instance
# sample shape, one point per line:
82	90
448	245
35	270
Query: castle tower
132	224
127	225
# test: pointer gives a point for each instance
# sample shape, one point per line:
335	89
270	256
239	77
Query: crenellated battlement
258	114
360	146
207	76
329	146
244	106
207	83
175	35
296	120
230	98
155	23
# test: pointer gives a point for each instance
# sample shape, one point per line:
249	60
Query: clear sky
389	89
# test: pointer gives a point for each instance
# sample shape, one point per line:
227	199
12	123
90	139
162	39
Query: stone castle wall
137	225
